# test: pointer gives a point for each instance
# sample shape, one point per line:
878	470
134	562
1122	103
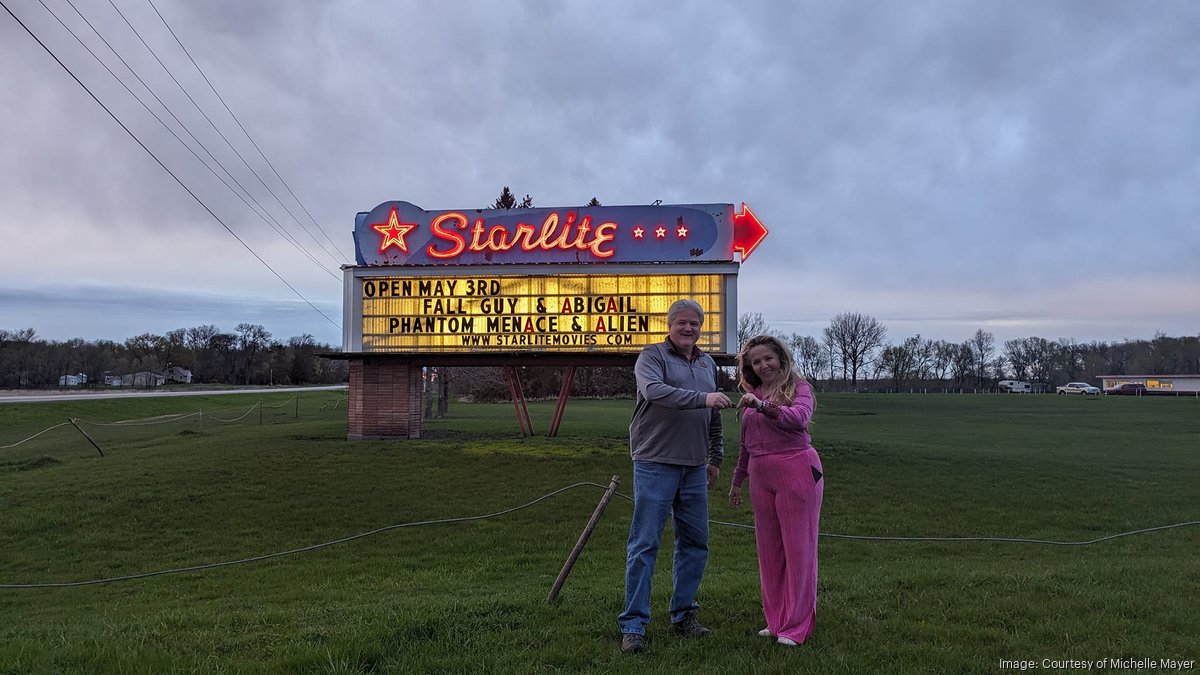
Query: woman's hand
735	495
748	401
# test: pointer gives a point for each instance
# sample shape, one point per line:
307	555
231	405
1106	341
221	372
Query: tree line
248	355
853	354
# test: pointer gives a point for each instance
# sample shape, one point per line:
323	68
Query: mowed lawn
471	596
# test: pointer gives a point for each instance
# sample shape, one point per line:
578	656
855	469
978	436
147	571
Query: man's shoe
633	643
690	626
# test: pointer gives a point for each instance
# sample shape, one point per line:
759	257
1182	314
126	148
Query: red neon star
638	232
681	232
660	232
393	232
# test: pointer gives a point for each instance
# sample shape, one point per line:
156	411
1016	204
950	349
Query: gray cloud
942	166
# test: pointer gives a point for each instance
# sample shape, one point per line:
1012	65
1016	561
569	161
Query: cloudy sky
1028	168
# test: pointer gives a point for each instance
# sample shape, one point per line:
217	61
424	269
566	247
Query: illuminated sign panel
478	312
400	233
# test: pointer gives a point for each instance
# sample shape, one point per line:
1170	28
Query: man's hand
713	473
717	400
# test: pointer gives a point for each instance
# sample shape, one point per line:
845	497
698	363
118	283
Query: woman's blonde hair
783	391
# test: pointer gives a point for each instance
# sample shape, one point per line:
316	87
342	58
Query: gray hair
680	305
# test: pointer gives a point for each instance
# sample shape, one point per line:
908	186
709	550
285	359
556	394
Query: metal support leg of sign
563	394
515	389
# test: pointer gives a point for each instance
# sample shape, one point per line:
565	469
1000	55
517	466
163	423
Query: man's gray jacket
670	422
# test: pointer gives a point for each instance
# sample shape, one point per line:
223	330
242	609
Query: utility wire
239	123
161	164
463	519
219	133
278	227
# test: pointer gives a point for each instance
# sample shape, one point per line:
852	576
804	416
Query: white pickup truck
1077	388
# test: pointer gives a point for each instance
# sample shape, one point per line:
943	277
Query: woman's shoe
786	642
766	632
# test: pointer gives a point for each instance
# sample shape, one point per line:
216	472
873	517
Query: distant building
144	379
1188	385
178	374
111	380
77	380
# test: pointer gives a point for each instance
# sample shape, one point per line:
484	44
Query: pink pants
786	496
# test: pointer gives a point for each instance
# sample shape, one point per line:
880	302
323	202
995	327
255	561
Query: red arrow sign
748	232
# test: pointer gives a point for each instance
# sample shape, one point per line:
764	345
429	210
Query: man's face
685	330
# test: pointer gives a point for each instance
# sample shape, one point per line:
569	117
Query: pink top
777	429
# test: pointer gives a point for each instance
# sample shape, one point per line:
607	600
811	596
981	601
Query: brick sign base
385	399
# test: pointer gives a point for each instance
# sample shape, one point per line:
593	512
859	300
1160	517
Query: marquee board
532	309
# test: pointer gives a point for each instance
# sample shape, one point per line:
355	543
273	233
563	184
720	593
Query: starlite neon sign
400	233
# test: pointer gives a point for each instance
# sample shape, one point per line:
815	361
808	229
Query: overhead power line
264	214
153	156
239	123
222	135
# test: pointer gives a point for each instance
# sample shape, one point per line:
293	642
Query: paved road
42	398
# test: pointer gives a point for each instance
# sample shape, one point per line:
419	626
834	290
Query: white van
1014	386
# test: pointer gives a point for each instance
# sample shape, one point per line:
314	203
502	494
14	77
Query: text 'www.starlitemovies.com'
1103	664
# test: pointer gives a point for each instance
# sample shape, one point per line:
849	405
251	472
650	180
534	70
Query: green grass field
470	596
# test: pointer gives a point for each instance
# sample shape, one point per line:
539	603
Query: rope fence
200	415
25	440
504	512
146	422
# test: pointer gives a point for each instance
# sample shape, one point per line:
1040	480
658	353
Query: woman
786	486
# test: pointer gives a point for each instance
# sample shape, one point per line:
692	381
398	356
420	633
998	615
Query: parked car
1077	388
1127	389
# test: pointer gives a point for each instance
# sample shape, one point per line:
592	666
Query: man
676	443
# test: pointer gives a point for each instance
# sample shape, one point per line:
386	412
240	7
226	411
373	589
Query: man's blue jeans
659	489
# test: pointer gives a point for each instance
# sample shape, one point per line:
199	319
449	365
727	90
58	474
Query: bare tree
175	344
300	359
983	346
750	325
943	359
923	358
428	384
252	339
963	362
831	352
1018	359
857	338
809	355
1070	358
201	337
900	361
1040	355
145	352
